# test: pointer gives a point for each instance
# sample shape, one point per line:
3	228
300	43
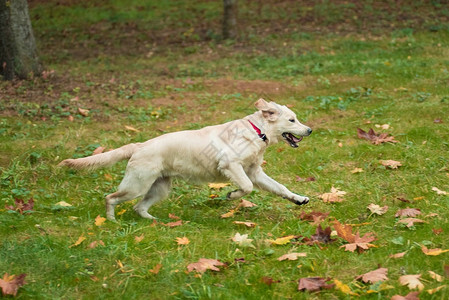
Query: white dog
231	151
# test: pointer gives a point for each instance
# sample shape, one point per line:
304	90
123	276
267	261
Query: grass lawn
142	70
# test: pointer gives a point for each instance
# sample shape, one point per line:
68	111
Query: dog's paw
299	200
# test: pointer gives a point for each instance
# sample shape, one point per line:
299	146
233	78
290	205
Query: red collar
259	133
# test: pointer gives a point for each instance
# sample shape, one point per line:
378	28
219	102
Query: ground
128	71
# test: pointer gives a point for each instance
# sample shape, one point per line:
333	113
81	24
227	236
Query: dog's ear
268	111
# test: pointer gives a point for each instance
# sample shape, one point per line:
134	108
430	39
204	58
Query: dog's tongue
295	139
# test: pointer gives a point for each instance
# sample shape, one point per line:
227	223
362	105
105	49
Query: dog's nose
309	131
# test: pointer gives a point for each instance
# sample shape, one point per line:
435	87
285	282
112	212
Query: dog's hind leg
135	184
158	191
236	174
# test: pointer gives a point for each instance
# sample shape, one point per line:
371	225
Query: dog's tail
101	160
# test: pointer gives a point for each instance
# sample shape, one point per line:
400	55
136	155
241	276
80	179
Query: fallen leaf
409	296
130	128
335	195
409	222
228	214
174	217
408	212
94	244
139	238
218	186
436	276
377	209
384	126
182	240
78	242
344	288
357	170
308	179
432	252
437	231
392	164
313	284
10	284
374	276
433	291
98	150
344	231
315	216
242	240
246	204
321	236
172	224
355	241
397	255
205	264
375	138
292	256
402	199
121	212
411	281
70	118
83	112
108	177
268	280
247	224
99	220
21	206
155	269
282	240
63	204
439	192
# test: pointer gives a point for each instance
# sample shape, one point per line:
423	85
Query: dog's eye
292	120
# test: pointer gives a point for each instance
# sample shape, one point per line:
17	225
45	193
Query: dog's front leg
265	182
237	175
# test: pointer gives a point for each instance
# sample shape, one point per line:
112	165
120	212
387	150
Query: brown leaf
321	236
409	222
218	186
376	209
374	276
268	280
130	128
174	217
21	206
308	179
246	204
98	150
344	231
392	164
94	244
182	241
228	214
411	281
173	224
292	256
138	239
313	284
335	195
247	224
315	216
155	269
83	112
10	284
397	255
402	199
375	138
432	252
436	276
437	231
205	264
361	243
433	291
409	296
408	212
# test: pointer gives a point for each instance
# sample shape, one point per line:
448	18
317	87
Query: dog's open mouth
292	139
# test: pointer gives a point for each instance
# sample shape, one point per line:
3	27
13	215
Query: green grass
339	76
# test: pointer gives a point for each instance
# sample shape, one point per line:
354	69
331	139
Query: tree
18	55
230	19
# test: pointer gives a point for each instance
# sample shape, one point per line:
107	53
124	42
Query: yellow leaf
99	220
229	214
218	186
282	241
138	239
81	239
436	276
182	241
247	224
344	288
121	212
357	170
132	128
433	291
432	252
156	269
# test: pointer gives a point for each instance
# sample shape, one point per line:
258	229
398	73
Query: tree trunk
230	19
18	55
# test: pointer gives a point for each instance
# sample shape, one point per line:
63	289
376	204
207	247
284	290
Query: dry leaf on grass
409	222
83	112
408	212
246	204
228	214
130	128
374	276
397	255
268	280
155	269
433	291
377	209
315	216
375	138
292	256
10	284
344	288
282	240
313	284
205	264
247	224
355	241
432	252
78	242
218	186
409	296
138	239
182	240
172	224
242	240
357	170
335	195
99	220
321	236
439	192
411	281
436	276
21	206
392	164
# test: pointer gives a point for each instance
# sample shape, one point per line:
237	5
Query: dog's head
282	123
